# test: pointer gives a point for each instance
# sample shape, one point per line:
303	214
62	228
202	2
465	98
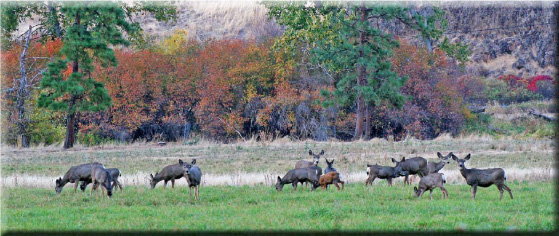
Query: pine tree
95	26
343	39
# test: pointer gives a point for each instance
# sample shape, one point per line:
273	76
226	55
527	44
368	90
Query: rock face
517	38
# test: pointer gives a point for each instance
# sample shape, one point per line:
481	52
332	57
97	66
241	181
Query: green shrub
46	127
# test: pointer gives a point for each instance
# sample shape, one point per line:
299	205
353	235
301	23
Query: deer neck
464	171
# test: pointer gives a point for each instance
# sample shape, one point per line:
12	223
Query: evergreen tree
343	39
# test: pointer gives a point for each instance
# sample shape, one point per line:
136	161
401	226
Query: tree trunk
367	122
361	78
70	121
54	18
71	117
22	94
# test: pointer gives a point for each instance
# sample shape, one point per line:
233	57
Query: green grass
357	207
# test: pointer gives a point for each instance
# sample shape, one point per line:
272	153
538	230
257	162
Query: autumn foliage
231	89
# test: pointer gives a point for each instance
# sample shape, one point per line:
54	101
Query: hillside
504	38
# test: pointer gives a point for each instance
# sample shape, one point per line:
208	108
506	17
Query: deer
170	172
413	166
383	172
330	178
483	177
305	164
434	167
299	175
100	176
194	175
329	168
76	174
430	182
115	173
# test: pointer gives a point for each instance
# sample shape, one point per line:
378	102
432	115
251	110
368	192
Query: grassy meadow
356	208
239	205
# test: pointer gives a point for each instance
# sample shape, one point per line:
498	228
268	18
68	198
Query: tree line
333	73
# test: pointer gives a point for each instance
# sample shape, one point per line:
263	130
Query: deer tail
444	178
505	175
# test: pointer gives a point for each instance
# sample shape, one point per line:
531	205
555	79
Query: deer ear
152	175
440	155
193	161
332	162
181	162
467	157
310	152
394	160
279	179
322	152
403	159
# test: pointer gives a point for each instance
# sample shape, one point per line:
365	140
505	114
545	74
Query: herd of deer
304	172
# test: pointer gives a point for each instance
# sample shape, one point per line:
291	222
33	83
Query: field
237	191
262	208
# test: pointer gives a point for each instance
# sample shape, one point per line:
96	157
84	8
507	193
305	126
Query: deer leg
406	179
190	192
91	191
337	186
508	190
431	194
500	192
119	185
342	184
165	185
294	185
474	190
76	186
173	183
443	190
389	180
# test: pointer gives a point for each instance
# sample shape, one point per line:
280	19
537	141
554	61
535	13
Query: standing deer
114	172
100	176
483	177
414	166
430	182
76	174
305	164
170	172
434	167
329	168
194	175
383	172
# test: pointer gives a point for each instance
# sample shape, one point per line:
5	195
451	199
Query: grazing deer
383	172
114	172
194	175
430	182
414	166
100	176
170	172
299	175
483	177
76	174
434	167
330	178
